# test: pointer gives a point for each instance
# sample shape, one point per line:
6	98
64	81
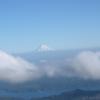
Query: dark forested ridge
74	95
71	95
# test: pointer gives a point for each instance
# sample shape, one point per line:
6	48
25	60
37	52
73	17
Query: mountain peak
44	47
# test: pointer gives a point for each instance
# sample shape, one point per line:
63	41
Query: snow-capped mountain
43	48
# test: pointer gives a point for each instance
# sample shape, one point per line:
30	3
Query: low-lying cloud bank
15	69
87	65
84	65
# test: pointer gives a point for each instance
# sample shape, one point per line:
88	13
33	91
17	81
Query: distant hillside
74	95
71	95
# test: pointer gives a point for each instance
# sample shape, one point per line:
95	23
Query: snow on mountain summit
44	47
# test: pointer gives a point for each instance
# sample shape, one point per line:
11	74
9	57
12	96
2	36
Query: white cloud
15	69
84	65
87	64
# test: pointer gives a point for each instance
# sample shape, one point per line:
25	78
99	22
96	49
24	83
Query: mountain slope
74	95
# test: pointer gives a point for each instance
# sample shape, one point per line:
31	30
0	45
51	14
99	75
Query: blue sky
61	24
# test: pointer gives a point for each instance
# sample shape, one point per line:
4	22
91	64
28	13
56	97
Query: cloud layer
87	65
84	65
15	69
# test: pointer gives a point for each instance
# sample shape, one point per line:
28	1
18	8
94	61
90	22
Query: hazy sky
62	24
